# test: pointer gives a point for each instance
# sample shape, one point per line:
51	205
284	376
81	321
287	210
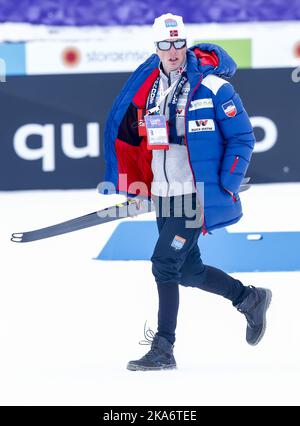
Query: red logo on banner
71	56
297	49
230	109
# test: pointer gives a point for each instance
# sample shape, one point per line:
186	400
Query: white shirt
172	174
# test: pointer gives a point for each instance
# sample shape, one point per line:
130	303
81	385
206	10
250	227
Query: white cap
168	26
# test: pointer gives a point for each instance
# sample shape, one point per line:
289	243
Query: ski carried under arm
130	207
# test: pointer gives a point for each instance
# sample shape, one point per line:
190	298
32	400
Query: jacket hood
211	59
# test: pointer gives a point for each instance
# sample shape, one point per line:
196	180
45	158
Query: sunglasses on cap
166	45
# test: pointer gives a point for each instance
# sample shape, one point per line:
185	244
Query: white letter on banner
47	150
92	149
296	75
270	130
2	70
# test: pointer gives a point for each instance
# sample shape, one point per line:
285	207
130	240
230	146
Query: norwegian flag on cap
173	33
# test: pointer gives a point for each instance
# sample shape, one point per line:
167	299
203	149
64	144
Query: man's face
171	59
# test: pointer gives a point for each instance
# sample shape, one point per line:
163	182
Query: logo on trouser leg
178	242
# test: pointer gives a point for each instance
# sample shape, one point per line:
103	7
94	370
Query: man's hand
245	184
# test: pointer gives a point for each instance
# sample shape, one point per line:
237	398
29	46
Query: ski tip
17	238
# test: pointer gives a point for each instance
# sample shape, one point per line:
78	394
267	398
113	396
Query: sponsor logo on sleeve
201	103
201	126
229	108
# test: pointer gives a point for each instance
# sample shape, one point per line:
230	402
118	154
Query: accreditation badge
157	134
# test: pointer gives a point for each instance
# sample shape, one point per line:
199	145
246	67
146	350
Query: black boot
254	307
160	357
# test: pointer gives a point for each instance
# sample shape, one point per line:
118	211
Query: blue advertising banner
52	129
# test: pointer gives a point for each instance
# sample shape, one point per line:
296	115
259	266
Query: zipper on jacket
234	164
204	230
165	168
165	151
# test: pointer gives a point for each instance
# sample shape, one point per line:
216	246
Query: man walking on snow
179	130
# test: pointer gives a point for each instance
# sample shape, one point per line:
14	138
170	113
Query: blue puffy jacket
219	149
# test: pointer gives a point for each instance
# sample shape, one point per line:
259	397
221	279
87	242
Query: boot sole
141	368
266	307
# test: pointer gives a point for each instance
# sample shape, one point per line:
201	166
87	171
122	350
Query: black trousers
176	260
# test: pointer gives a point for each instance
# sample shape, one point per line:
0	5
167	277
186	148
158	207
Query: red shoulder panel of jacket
140	98
207	58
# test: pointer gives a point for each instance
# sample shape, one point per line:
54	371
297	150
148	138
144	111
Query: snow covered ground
69	323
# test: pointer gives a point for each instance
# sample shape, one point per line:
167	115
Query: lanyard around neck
154	106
